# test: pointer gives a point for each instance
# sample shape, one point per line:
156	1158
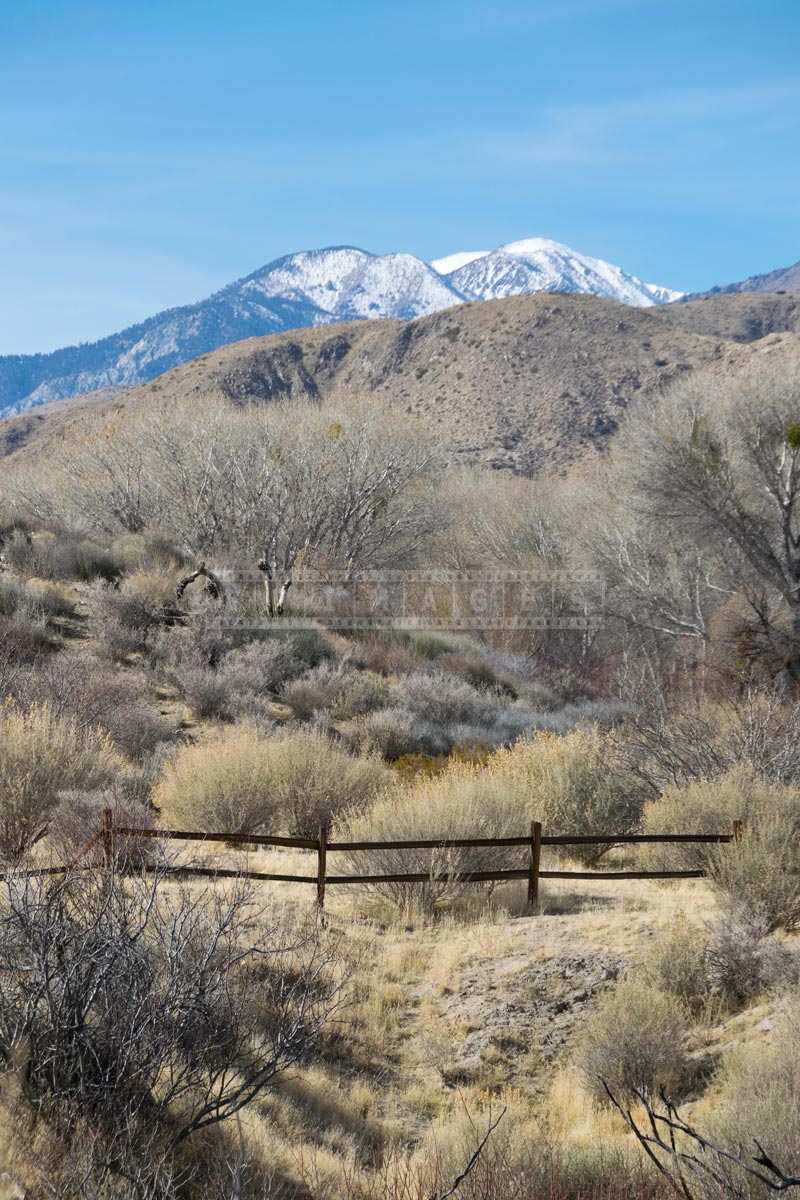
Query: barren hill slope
520	383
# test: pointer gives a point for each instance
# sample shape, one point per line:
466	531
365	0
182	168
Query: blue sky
152	151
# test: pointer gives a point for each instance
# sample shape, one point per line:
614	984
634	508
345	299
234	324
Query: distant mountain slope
524	384
303	290
785	279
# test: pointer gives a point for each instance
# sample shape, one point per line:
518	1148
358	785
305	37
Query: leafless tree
715	464
346	484
136	1013
670	744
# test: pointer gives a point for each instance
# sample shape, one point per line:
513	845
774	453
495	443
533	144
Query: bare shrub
225	682
445	699
668	747
94	695
464	802
240	781
478	671
310	646
20	642
384	658
316	691
122	618
206	691
78	817
636	1042
259	668
362	693
734	958
12	595
394	733
139	1015
39	758
418	644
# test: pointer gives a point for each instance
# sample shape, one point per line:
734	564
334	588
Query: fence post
322	849
107	828
738	830
536	854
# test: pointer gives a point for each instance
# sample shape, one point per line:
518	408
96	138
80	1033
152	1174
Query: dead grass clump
20	602
40	757
62	556
759	1096
55	599
636	1042
151	552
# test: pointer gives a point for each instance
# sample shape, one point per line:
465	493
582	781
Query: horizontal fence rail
109	832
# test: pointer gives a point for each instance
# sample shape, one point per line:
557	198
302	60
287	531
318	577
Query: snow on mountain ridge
451	262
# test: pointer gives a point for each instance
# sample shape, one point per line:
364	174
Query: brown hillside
523	383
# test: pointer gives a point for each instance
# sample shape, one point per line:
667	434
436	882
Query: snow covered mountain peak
348	284
541	265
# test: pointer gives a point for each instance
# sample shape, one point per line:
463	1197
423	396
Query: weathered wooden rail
323	846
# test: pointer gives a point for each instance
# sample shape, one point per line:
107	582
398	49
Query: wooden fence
322	846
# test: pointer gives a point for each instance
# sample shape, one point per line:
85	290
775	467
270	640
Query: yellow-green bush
712	806
40	757
463	802
571	784
677	963
760	874
242	780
